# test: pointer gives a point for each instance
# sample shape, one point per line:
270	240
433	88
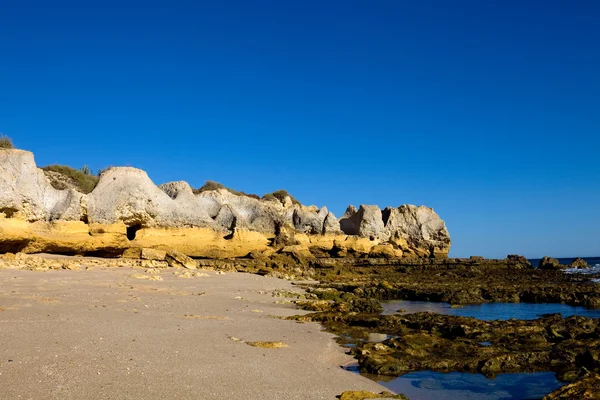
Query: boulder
579	263
550	263
177	259
517	261
385	251
297	250
153	254
362	395
587	387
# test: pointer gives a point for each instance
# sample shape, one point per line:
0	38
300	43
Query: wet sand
107	334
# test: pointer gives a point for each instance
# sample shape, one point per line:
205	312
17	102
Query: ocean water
488	311
593	262
427	385
502	311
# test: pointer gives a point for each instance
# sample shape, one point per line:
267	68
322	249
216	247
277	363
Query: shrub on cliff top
81	180
212	185
280	195
6	142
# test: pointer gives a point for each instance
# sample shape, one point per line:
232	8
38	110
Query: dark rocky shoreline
347	302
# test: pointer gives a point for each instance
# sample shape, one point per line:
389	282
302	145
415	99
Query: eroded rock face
331	225
420	227
26	193
579	263
517	261
128	195
249	212
415	230
550	263
307	221
367	221
127	198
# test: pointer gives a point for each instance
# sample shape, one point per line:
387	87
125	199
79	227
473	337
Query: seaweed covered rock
585	388
516	261
444	343
362	395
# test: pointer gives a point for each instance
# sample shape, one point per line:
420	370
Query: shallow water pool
488	311
427	385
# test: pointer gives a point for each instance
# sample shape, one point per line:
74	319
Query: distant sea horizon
592	261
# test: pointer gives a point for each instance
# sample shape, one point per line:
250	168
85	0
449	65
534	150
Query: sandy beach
124	333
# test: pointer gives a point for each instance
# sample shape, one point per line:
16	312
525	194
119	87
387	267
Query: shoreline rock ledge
126	209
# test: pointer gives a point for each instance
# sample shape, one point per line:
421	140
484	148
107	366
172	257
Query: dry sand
107	334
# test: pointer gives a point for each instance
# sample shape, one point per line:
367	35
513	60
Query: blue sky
487	111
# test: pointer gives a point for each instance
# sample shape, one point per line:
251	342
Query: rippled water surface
488	311
427	385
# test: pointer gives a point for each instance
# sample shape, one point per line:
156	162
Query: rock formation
550	263
517	261
25	193
415	230
579	263
126	209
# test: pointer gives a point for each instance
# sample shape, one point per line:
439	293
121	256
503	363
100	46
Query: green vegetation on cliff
64	177
212	185
6	142
280	195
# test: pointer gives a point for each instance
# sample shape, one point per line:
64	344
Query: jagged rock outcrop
418	230
331	225
579	263
26	194
367	221
550	263
306	220
127	209
250	213
128	195
518	262
415	230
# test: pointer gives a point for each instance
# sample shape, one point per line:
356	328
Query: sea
593	262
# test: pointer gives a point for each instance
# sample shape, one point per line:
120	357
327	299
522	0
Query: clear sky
487	111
